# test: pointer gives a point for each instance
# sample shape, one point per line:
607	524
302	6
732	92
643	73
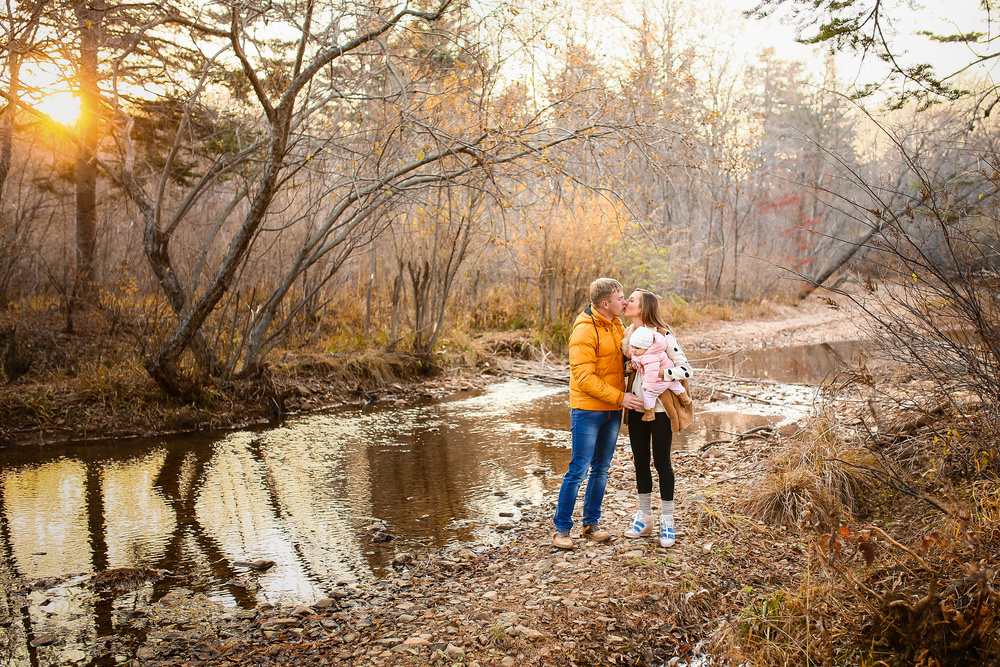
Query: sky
939	16
750	37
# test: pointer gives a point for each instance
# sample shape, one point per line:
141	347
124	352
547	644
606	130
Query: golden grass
789	497
804	625
815	484
688	314
702	514
114	384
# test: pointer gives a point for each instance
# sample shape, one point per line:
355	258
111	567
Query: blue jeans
595	433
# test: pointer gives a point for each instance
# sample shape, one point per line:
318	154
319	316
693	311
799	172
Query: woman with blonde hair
655	437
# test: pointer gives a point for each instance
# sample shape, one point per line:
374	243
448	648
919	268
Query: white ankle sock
667	510
646	503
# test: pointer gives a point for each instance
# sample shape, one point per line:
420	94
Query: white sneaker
642	526
667	536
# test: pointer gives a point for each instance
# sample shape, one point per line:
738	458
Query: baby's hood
659	344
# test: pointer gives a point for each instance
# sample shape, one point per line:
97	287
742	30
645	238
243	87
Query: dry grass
364	369
790	497
910	585
701	314
113	384
816	484
804	625
699	513
841	471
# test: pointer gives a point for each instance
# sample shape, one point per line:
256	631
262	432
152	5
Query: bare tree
345	106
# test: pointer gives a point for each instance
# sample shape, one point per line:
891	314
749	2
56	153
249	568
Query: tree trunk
89	17
397	287
454	262
420	281
368	294
6	147
7	128
811	285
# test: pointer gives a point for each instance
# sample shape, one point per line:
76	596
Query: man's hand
631	402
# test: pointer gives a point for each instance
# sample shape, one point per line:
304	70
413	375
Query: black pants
655	436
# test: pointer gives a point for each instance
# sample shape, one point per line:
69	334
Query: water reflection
48	535
301	495
810	364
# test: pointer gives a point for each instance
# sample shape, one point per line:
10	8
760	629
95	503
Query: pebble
44	640
506	619
415	642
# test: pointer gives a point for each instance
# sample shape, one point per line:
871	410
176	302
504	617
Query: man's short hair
602	289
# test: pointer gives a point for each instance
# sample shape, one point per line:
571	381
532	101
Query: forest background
243	181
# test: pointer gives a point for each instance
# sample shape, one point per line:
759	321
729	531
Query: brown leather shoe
596	534
561	541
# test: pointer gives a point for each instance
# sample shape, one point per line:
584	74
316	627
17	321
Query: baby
649	355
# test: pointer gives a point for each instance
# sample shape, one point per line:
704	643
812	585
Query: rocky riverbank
523	602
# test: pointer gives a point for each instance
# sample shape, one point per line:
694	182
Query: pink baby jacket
649	365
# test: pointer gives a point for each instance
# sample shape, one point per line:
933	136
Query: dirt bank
813	320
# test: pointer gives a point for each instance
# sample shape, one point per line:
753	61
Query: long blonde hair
649	310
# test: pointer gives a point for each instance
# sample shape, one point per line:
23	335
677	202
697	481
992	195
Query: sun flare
46	88
62	107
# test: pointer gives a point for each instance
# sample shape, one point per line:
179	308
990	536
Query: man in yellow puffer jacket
597	394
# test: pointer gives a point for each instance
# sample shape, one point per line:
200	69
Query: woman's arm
682	370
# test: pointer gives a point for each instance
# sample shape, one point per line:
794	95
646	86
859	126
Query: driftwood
521	374
925	419
762	432
719	376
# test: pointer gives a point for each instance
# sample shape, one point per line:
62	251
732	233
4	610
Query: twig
703	372
908	550
893	481
749	397
752	433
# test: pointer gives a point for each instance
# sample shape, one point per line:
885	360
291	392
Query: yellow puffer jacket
596	368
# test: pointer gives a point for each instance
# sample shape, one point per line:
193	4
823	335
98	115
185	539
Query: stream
330	497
